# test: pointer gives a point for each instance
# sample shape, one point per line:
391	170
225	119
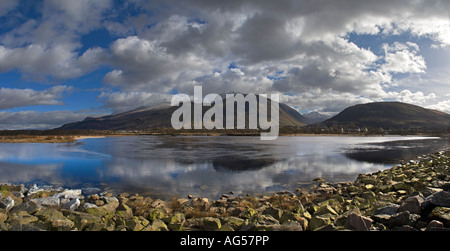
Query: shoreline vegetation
411	196
44	139
69	136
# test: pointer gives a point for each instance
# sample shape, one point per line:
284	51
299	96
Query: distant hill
390	115
159	116
315	117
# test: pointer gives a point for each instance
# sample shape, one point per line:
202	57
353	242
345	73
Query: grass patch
36	139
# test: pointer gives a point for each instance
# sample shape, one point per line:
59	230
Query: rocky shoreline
412	196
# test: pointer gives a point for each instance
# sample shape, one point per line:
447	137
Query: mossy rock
98	211
249	212
317	222
176	222
442	214
274	212
234	222
327	209
335	203
84	220
21	218
124	211
134	224
211	224
156	213
159	225
55	220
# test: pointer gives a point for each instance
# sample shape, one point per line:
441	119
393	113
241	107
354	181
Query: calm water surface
163	166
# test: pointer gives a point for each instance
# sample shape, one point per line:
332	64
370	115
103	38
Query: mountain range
390	115
386	115
159	116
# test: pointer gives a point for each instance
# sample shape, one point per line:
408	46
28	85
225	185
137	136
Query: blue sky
63	60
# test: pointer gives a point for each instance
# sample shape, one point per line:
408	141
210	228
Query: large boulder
412	204
358	222
82	220
30	207
319	221
438	199
48	201
55	220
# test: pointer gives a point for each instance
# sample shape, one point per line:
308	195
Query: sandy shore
87	137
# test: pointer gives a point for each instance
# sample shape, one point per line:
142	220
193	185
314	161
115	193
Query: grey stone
34	189
427	191
29	207
402	218
7	203
47	201
382	218
398	219
72	205
388	210
412	204
88	205
439	199
69	193
358	222
109	199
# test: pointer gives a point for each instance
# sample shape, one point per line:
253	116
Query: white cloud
145	65
76	15
407	96
10	98
403	58
327	102
125	101
38	62
304	43
443	106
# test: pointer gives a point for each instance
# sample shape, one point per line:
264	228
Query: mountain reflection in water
208	166
395	151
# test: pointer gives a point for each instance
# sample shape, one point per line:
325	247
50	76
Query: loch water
207	166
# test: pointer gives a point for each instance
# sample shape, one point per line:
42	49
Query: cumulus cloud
77	15
443	106
145	65
403	58
407	96
47	46
59	62
125	101
10	98
298	47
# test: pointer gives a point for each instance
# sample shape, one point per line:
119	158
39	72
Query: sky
64	60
